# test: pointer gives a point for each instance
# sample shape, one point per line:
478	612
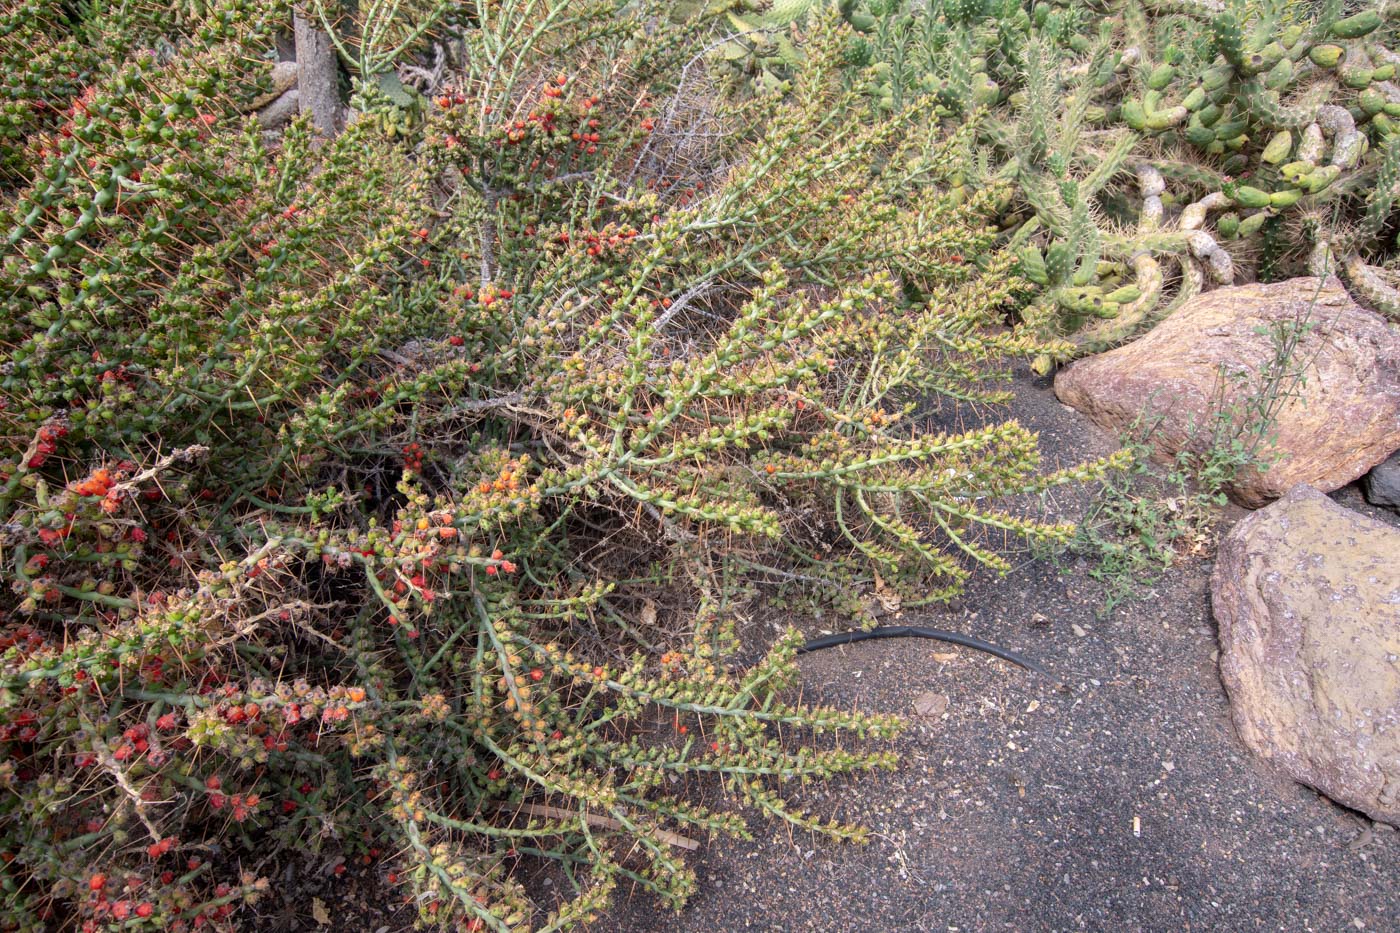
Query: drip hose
919	631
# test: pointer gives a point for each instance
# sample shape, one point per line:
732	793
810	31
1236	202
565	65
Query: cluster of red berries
611	237
135	742
47	444
117	375
413	456
98	483
120	909
22	728
488	296
157	849
499	565
241	805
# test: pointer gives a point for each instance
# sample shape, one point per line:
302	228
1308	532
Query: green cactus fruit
1229	38
1278	148
1327	56
1321	178
1080	43
1254	63
1166	119
1236	164
1216	148
1151	100
1230	129
1273	53
1195	100
1160	77
1252	224
861	21
1040	13
1216	78
1033	266
985	91
1198	135
1094	114
1290	36
1279	76
1295	172
1371	101
1210	114
1384	125
1285	198
1392	109
1356	77
1124	295
1133	114
1228	226
1383	73
1247	196
1354	27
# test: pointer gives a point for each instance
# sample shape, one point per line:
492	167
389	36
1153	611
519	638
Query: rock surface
284	78
1213	355
1307	597
1383	483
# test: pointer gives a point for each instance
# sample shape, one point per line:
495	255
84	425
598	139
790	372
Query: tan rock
1343	418
1307	596
284	78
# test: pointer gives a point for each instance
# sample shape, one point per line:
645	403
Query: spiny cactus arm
1192	174
1201	10
1381	197
1366	283
1110	163
1266	107
1044	197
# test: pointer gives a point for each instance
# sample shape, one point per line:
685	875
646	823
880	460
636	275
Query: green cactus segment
1354	27
1229	39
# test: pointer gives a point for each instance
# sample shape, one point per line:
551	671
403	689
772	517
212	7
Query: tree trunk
318	77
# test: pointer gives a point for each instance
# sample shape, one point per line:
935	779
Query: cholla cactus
398	492
1193	138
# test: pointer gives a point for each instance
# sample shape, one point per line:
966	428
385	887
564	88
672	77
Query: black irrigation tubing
919	631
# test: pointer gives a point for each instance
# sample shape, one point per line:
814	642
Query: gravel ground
1121	801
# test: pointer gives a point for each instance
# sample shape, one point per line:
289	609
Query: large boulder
1216	352
1382	484
1307	596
